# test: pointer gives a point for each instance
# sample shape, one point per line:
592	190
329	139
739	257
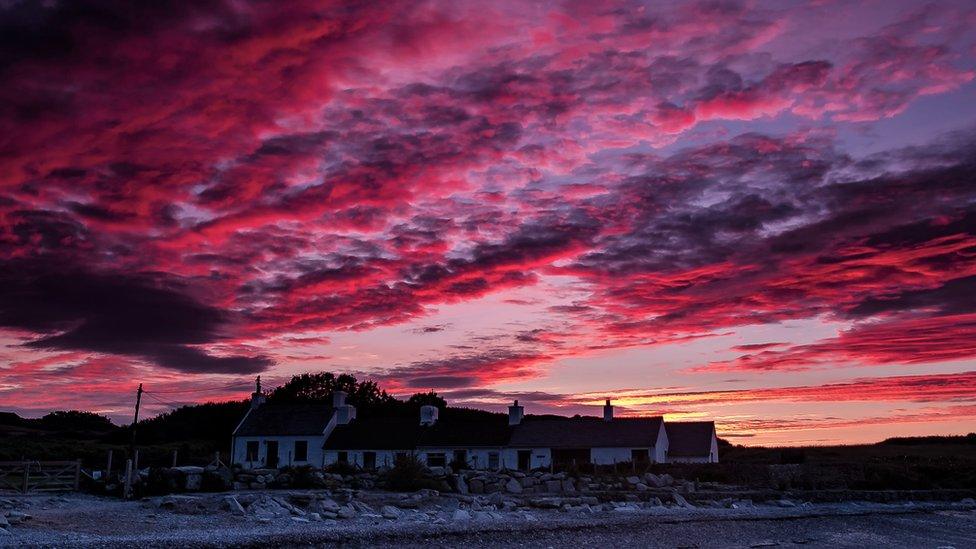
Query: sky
760	213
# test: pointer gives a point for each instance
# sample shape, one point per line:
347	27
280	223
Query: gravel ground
84	521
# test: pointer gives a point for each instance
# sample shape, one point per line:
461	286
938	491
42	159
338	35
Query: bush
409	474
341	469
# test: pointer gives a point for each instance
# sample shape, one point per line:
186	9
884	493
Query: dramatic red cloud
212	190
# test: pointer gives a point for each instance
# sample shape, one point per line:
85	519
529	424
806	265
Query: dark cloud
141	316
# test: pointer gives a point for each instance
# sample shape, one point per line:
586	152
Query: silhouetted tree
74	420
429	398
319	387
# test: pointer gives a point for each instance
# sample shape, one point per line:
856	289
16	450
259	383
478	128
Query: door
369	460
524	459
271	460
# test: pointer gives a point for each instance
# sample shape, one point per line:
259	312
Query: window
343	457
369	460
436	459
301	450
252	451
639	456
493	461
460	459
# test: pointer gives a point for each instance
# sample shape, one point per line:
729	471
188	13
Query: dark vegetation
197	431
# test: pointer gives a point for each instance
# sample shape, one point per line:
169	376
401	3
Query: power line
238	385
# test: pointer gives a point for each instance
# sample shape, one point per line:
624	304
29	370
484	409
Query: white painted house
585	440
281	435
320	435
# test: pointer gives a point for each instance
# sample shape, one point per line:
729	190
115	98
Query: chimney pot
608	411
515	414
428	414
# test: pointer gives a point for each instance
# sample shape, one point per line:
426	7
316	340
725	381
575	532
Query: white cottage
560	442
281	435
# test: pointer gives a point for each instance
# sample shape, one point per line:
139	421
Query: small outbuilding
692	442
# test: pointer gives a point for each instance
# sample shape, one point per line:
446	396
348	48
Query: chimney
257	397
344	414
428	414
515	413
607	411
338	399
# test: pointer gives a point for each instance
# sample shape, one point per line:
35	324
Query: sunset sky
761	213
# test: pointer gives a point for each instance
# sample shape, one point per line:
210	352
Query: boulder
265	507
390	512
554	486
462	485
476	486
3	521
633	480
680	501
346	512
641	487
234	506
461	514
328	506
784	503
513	487
315	517
569	485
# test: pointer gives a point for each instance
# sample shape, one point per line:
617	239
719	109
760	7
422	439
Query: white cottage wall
286	451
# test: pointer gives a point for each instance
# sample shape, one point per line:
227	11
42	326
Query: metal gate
39	476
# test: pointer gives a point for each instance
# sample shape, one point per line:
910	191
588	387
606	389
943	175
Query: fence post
127	487
135	461
108	466
26	476
77	474
174	458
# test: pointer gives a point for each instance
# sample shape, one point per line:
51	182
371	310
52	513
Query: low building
692	442
280	435
562	442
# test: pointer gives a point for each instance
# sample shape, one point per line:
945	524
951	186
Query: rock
299	519
315	517
589	500
328	506
476	486
784	503
3	521
462	485
568	485
4	532
390	512
234	506
362	507
265	507
461	514
346	512
547	503
437	471
554	486
633	480
641	487
680	501
513	487
968	501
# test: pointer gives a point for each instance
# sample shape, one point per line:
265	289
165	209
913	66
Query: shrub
409	474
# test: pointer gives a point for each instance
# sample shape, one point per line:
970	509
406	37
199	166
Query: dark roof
408	434
375	434
586	432
690	438
286	419
468	434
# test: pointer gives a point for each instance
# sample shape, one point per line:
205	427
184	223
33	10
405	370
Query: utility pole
135	421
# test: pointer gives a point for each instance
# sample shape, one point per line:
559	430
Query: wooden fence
39	476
